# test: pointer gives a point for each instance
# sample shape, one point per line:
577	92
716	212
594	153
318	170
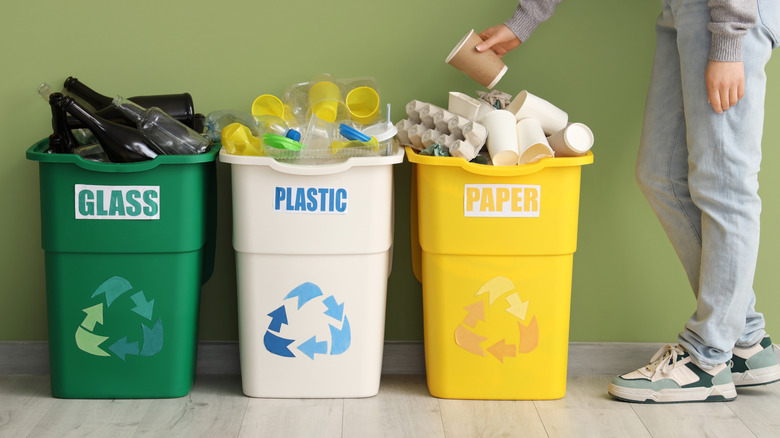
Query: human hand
725	84
499	38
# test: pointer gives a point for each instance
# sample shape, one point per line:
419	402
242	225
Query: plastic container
313	254
493	248
127	247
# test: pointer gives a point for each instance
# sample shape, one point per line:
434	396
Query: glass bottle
122	144
167	133
178	106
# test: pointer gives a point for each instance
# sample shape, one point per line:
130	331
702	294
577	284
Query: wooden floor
216	407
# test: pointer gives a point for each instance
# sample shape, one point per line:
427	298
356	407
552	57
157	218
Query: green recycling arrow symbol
90	342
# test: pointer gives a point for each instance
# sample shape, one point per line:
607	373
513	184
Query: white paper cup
531	142
484	67
463	105
484	109
526	105
502	137
573	141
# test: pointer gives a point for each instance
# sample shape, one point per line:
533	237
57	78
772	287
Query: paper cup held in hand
572	141
531	143
526	105
484	67
502	137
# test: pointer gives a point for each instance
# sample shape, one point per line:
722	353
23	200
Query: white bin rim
312	169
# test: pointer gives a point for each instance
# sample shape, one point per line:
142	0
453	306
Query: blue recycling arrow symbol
338	325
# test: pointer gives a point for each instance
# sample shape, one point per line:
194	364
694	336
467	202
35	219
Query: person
698	163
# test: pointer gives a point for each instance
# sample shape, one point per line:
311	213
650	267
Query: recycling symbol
523	338
89	341
307	308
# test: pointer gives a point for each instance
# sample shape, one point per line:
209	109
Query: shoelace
665	359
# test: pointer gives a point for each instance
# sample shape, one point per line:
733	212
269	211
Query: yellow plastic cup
363	104
238	140
268	105
324	100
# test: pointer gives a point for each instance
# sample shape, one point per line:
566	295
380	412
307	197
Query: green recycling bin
127	247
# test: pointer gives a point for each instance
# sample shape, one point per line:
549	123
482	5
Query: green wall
592	60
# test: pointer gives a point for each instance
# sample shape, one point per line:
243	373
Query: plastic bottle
61	140
167	133
178	106
122	144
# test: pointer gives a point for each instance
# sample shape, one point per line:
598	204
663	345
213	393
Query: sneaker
671	377
756	365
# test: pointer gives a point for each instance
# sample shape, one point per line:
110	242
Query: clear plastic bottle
167	133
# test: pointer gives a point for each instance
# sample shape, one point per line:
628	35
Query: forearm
529	15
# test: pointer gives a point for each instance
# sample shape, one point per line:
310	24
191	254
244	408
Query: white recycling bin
313	254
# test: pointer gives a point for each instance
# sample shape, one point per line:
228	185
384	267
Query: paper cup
463	105
531	142
526	105
502	137
484	109
573	141
484	67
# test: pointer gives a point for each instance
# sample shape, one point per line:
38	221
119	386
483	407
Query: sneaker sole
717	393
757	377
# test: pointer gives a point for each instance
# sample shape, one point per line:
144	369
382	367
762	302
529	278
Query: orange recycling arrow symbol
476	314
501	349
469	341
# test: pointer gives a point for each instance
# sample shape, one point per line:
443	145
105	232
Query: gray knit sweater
729	22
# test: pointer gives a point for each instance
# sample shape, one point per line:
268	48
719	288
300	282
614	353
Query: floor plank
91	418
588	411
24	400
214	408
683	420
403	408
320	418
490	418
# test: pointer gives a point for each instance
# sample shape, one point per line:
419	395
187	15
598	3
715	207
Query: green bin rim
481	169
37	152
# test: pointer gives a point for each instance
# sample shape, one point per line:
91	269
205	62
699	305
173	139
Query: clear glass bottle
167	133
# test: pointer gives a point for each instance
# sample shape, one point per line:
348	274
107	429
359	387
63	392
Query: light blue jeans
699	171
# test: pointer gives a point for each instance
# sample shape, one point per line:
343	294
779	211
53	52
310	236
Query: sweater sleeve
529	15
729	22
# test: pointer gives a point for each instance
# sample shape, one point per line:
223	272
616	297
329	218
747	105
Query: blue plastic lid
351	133
293	135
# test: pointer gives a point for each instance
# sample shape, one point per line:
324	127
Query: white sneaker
756	365
671	377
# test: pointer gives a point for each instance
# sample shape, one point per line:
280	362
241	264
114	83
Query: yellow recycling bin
495	253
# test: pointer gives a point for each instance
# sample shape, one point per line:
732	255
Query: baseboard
400	357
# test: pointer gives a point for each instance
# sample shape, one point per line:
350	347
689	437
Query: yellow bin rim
482	169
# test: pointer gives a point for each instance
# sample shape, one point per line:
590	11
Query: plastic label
501	200
312	200
117	202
